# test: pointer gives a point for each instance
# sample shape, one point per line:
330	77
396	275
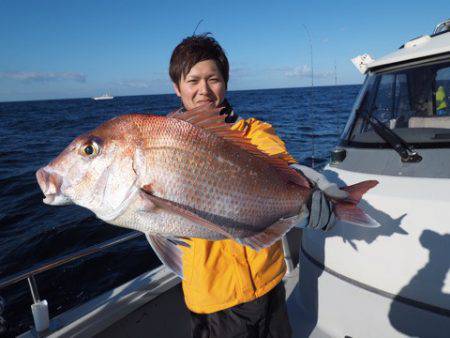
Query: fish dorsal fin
208	118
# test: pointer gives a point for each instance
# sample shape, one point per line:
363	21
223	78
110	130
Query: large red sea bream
184	175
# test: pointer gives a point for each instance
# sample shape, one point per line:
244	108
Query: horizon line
229	91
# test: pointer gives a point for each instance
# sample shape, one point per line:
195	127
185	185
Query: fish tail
346	210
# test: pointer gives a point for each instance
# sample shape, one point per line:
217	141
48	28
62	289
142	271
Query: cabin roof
418	48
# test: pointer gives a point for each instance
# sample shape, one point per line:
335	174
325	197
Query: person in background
232	290
441	101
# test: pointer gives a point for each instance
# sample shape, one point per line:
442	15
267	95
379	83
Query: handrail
40	308
7	281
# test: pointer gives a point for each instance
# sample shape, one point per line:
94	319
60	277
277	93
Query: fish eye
90	149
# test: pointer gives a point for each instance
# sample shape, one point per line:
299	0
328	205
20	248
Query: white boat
105	96
390	281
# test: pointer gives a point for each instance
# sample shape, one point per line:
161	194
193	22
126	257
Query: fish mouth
50	184
57	199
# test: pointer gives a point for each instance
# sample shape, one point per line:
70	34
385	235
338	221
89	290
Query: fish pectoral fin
178	241
182	211
272	233
168	252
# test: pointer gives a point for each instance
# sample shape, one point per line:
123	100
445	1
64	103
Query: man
230	289
441	101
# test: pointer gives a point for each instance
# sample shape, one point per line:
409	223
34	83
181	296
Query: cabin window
383	107
413	102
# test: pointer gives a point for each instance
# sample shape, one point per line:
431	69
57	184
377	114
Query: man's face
203	84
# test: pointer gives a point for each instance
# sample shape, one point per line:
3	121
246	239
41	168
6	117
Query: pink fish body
187	175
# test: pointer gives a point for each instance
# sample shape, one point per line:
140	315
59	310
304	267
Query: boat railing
41	307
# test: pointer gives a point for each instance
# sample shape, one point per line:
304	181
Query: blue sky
70	49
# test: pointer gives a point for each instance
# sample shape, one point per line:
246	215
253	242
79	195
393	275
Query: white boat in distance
105	96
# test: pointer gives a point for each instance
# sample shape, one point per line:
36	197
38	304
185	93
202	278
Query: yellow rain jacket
441	102
221	274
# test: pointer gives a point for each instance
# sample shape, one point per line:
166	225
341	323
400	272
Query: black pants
264	317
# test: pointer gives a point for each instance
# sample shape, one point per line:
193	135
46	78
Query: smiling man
232	290
202	85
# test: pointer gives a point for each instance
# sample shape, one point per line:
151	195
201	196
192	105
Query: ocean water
32	133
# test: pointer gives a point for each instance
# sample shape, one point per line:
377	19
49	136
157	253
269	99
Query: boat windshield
413	102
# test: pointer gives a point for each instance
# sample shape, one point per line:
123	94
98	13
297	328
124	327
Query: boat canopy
412	102
416	49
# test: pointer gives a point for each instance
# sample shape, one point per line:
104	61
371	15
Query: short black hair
194	49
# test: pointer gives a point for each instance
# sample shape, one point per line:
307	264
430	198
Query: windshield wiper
406	152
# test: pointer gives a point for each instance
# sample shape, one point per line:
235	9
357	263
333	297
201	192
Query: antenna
335	73
312	94
198	24
335	84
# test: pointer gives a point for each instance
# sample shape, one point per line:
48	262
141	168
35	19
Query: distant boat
105	96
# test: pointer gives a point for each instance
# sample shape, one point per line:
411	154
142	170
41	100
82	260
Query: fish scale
215	192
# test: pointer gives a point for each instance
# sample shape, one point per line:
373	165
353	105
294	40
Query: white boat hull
391	281
102	98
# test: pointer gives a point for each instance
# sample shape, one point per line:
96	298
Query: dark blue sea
34	132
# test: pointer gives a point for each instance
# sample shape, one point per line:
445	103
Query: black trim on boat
400	65
423	306
405	151
367	145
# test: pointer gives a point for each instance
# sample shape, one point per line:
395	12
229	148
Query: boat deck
167	315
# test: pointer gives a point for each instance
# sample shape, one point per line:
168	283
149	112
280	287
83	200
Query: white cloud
305	71
155	81
239	72
43	76
299	71
133	83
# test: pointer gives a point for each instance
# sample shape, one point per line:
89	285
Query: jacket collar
227	109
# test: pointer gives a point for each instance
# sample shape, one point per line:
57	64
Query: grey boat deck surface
167	316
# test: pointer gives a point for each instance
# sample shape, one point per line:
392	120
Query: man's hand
321	214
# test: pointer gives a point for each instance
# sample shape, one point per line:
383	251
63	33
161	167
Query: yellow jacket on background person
441	97
224	273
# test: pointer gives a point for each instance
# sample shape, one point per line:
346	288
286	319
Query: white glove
321	182
321	215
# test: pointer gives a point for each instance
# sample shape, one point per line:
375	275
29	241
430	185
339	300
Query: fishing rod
335	85
198	24
311	100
